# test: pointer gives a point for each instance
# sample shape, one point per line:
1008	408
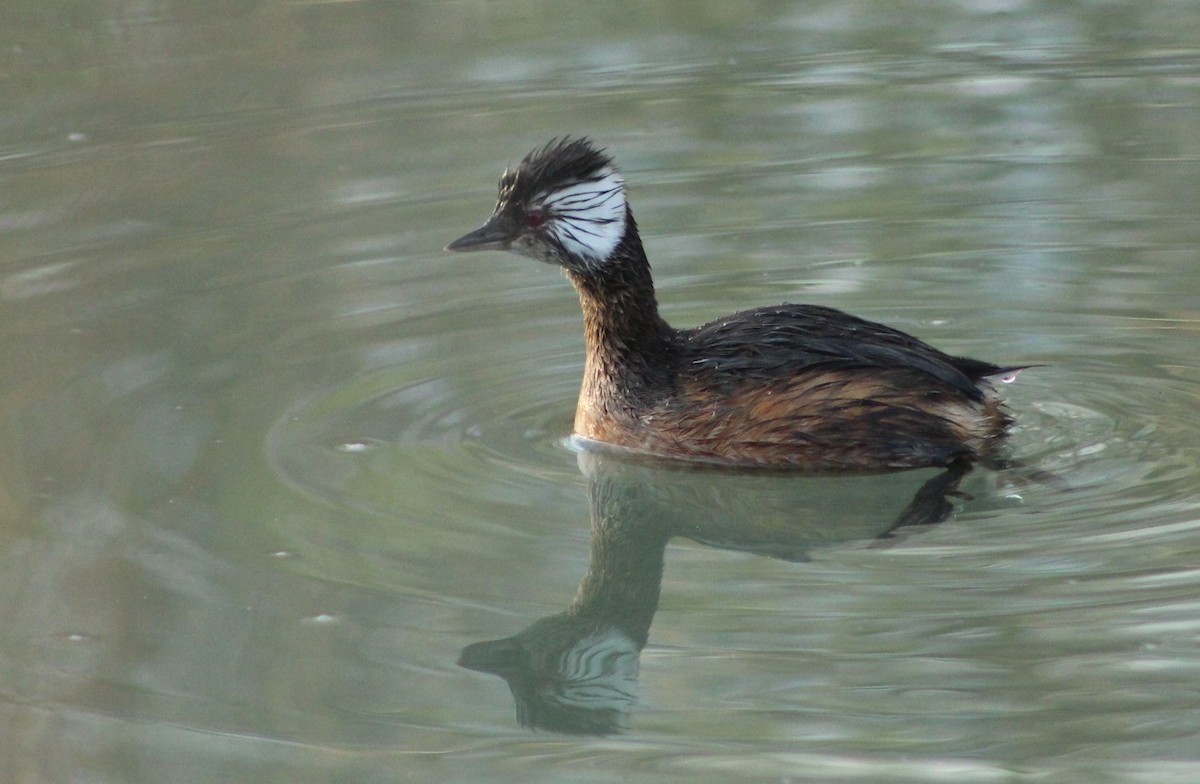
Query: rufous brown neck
629	346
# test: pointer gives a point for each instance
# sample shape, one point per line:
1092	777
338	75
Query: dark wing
788	339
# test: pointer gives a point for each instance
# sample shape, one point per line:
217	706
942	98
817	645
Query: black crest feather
562	161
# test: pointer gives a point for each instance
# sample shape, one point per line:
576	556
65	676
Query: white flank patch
588	218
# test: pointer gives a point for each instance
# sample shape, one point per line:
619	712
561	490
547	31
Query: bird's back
791	340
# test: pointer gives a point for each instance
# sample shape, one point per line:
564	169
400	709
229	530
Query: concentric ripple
474	415
1123	459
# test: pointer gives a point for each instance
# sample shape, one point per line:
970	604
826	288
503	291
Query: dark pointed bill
490	236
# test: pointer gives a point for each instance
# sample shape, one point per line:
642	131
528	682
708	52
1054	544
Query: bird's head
563	204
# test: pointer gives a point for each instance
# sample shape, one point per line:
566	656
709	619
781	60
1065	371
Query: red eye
535	219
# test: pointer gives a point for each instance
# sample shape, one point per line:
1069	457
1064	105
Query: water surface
272	460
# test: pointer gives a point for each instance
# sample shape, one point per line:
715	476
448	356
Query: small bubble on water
77	137
321	619
358	446
282	554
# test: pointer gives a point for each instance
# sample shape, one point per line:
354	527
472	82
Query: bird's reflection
576	671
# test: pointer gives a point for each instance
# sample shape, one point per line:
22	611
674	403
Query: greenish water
271	460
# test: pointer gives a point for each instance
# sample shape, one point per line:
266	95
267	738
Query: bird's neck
628	344
625	568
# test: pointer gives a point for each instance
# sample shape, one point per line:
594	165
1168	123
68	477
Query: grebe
804	386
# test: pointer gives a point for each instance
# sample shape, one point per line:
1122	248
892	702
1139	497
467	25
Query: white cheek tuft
588	217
